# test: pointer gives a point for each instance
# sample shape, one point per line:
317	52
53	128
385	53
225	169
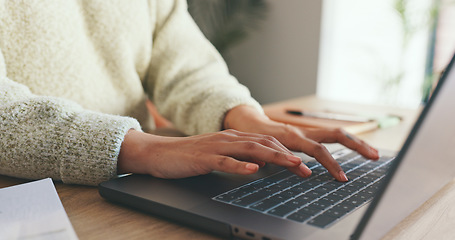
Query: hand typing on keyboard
252	141
244	118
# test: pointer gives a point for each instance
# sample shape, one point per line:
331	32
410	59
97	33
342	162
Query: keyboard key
296	203
354	202
309	184
299	217
369	178
224	198
348	157
296	179
332	201
309	211
278	198
351	188
329	187
371	190
374	164
262	183
303	199
322	189
323	177
342	209
354	174
321	204
356	185
302	188
288	194
348	166
363	169
280	176
252	198
363	180
313	194
318	170
265	204
335	212
275	188
281	210
322	221
360	197
312	164
345	206
285	197
334	197
287	183
271	191
370	165
381	171
335	184
358	161
340	194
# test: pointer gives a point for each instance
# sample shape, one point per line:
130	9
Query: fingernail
294	159
251	167
343	176
374	152
305	170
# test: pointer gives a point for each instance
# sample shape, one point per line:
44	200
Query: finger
322	155
302	170
359	146
341	136
254	151
258	162
266	140
231	165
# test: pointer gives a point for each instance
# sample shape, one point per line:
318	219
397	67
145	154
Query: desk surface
95	218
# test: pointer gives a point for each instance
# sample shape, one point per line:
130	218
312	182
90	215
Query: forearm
51	137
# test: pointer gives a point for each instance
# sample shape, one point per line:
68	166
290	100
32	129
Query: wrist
133	151
243	118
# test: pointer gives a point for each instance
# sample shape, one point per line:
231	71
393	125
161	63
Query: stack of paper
33	211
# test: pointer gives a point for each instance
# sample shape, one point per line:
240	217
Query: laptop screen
424	165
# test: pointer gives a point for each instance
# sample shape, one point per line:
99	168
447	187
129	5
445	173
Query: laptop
275	204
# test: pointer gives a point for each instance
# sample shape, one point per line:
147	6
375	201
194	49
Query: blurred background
380	52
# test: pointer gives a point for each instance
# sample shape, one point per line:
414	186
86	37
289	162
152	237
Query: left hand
308	141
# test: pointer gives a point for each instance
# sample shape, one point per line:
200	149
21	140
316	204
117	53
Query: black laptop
275	204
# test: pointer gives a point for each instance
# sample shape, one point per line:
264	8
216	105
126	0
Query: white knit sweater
74	76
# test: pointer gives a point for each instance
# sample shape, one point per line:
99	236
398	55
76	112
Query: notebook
350	122
274	204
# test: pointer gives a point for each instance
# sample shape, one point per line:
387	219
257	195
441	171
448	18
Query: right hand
228	151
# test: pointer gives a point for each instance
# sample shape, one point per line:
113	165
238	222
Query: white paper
33	211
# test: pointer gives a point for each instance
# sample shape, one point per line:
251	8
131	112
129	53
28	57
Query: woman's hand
244	118
228	151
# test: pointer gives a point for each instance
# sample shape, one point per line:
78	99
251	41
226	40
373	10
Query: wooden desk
95	218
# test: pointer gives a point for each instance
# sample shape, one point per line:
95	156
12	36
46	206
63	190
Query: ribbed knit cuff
92	145
49	137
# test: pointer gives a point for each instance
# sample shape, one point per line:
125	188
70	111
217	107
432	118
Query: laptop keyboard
319	200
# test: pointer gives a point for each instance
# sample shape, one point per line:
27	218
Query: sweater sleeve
188	80
52	137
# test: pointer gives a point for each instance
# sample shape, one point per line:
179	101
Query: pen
331	116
